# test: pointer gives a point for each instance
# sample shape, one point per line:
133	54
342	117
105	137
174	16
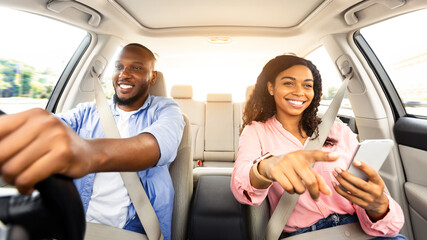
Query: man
36	144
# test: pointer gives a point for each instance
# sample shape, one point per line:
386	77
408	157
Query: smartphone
373	152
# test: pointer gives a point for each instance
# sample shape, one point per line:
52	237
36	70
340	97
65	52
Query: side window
401	47
33	54
331	82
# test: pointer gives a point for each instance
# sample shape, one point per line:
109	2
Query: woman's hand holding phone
362	184
369	194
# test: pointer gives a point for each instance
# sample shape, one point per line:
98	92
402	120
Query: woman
278	120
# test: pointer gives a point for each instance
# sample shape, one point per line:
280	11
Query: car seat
181	171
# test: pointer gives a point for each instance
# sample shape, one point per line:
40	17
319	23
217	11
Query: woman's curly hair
261	105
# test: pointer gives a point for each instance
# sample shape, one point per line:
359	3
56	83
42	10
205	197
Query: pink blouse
260	138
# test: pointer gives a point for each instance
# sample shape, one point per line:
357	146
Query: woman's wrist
258	175
379	213
261	179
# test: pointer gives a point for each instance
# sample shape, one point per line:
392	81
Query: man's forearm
127	154
33	150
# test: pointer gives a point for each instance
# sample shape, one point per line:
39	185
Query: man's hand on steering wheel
35	144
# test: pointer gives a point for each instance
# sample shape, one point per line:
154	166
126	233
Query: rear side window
331	82
400	44
34	51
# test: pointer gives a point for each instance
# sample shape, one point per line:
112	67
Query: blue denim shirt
160	117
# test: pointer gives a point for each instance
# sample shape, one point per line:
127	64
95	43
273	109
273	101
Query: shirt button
133	218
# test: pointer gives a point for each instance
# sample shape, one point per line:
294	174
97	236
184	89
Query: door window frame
398	109
67	73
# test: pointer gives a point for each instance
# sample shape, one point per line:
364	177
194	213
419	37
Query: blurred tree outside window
34	51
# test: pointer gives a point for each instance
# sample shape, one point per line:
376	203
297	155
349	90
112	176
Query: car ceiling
271	23
179	31
241	13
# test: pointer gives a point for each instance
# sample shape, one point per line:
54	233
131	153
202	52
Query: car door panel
415	164
418	224
410	131
410	134
415	193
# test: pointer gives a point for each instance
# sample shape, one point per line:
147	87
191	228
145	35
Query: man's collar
146	104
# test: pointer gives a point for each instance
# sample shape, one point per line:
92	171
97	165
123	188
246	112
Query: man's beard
129	101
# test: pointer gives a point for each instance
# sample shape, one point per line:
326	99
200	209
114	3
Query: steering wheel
56	211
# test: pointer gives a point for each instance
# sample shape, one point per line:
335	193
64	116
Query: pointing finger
323	187
310	181
321	156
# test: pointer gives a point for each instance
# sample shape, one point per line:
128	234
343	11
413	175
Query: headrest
182	91
159	87
219	97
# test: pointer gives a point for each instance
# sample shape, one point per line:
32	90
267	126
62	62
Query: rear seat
219	152
195	110
223	217
219	131
215	127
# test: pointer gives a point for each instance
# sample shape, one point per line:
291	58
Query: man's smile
125	87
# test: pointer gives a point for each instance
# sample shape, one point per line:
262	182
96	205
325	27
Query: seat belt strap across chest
287	202
136	192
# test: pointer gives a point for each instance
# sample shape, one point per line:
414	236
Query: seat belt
136	192
351	231
287	202
96	231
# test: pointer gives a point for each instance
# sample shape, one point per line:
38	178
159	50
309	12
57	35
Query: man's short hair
143	47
